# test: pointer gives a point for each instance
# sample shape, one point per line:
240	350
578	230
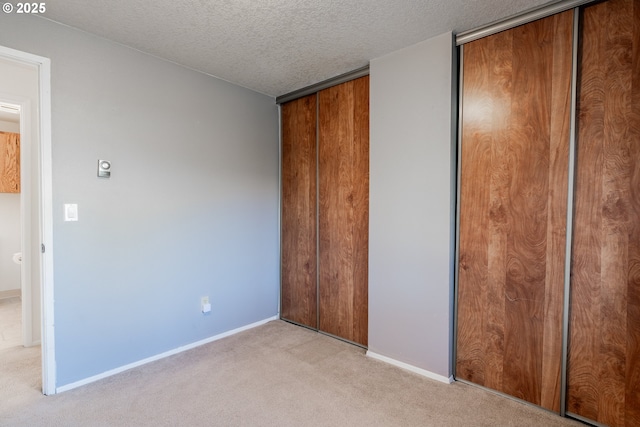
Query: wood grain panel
515	133
299	238
604	346
560	129
9	162
343	144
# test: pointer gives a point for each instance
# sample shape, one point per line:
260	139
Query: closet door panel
343	144
480	332
604	342
299	242
515	134
361	211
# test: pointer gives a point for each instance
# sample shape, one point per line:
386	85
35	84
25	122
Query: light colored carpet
10	322
275	375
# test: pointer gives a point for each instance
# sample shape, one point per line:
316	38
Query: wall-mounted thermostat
104	168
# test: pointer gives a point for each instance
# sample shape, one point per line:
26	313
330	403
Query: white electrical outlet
205	306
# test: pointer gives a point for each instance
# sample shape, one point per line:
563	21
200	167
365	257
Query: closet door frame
570	213
295	95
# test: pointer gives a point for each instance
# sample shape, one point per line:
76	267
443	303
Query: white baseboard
411	368
12	293
115	371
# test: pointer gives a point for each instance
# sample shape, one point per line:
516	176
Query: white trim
27	140
177	350
410	368
45	212
46	218
26	169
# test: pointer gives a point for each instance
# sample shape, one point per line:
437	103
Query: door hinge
42	247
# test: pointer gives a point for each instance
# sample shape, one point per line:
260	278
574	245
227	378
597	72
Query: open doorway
25	84
10	228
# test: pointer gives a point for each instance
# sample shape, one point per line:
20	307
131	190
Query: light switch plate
70	212
205	306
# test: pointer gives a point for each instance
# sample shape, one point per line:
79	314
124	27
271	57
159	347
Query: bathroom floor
10	322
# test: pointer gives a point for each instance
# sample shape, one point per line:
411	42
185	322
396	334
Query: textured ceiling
276	46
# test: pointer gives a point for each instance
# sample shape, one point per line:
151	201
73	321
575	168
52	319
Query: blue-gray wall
191	208
411	205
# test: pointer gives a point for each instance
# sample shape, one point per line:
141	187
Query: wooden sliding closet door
515	139
331	126
604	342
298	218
343	144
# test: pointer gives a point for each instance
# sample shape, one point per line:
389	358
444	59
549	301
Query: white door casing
37	226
